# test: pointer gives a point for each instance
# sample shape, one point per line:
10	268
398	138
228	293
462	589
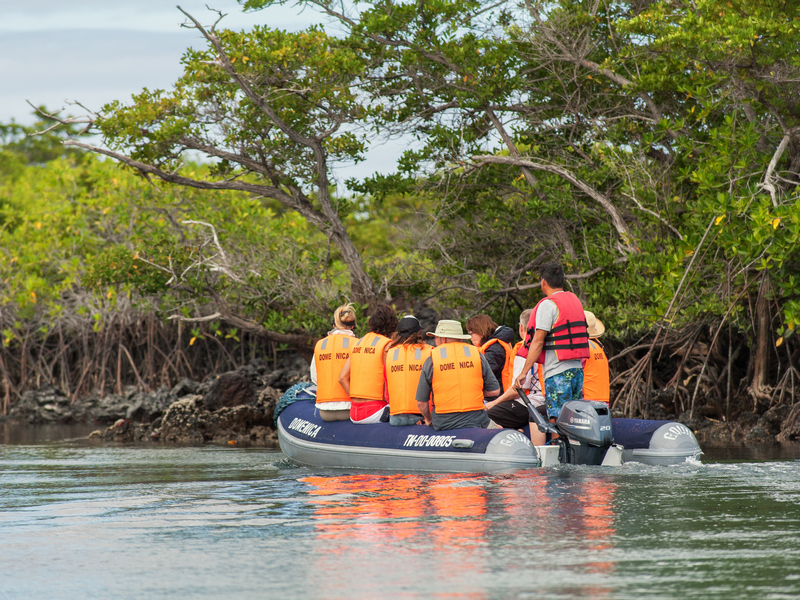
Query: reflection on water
451	527
79	521
13	433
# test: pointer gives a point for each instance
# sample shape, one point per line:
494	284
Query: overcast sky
93	51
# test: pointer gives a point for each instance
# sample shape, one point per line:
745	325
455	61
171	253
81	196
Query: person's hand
519	381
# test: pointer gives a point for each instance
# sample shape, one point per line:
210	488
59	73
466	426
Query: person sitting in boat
330	354
508	410
455	378
494	342
362	374
595	368
405	356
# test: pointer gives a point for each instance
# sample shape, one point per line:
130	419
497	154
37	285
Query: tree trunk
759	389
361	286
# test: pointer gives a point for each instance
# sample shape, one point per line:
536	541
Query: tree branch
276	193
608	206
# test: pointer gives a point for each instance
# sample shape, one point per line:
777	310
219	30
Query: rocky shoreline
238	407
233	408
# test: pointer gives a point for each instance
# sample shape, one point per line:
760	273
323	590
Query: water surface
80	521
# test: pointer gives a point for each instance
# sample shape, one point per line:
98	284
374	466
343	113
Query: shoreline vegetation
588	134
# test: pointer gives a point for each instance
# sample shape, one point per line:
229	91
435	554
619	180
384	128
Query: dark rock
47	405
710	410
285	378
184	421
236	407
185	387
790	432
693	422
229	389
758	435
661	404
772	420
267	401
427	318
747	420
109	409
137	412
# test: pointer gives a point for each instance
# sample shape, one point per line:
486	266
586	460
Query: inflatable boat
588	435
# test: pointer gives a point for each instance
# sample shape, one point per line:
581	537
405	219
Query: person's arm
344	376
510	394
312	370
424	390
385	383
534	351
425	411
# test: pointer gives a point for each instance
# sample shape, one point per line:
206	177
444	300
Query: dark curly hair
383	320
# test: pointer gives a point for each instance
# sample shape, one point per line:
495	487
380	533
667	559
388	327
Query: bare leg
537	437
335	415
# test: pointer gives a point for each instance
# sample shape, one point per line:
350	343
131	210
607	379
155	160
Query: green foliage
22	145
643	122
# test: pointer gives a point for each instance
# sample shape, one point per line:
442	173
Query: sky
53	52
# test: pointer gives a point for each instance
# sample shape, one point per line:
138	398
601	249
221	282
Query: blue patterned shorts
561	388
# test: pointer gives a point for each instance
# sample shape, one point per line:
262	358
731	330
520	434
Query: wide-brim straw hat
594	326
449	329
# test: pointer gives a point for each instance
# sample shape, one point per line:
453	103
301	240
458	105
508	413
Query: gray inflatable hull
672	443
306	439
503	453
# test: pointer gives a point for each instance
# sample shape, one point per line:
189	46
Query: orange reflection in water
552	509
374	498
598	519
440	524
438	520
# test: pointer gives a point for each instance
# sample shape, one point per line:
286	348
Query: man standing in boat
456	377
556	338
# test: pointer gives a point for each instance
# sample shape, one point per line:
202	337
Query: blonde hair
344	317
525	317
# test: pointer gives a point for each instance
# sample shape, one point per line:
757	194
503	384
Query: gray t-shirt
546	317
472	418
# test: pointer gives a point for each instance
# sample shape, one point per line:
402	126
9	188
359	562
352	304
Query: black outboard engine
587	426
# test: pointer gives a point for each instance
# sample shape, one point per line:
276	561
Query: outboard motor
587	426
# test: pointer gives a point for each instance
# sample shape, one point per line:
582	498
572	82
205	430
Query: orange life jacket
403	368
507	374
568	337
366	367
596	384
457	382
330	354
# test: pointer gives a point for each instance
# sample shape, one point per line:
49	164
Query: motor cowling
587	426
587	421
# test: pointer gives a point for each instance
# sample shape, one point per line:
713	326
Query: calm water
81	521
